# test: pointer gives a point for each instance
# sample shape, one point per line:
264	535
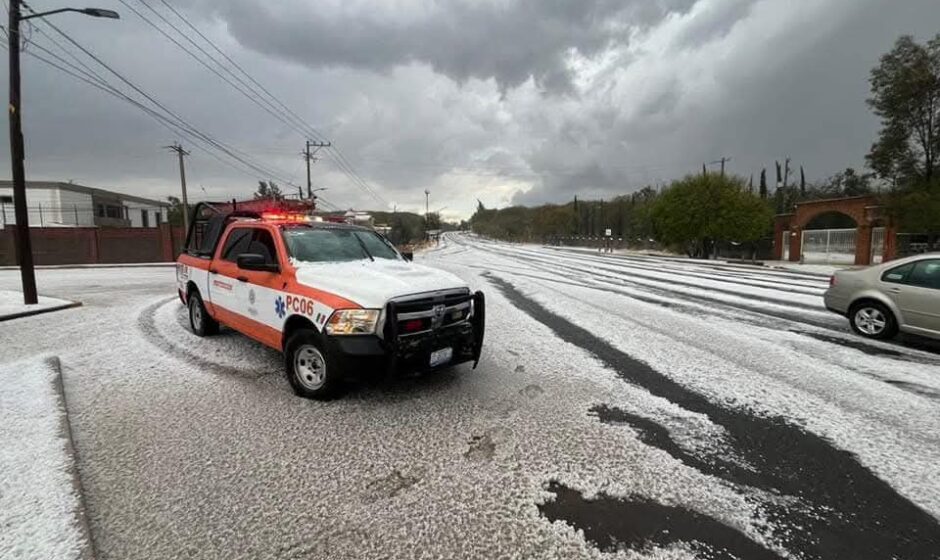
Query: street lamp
24	248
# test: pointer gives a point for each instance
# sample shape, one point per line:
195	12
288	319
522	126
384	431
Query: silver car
883	299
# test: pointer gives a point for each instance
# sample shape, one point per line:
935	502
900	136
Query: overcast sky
505	101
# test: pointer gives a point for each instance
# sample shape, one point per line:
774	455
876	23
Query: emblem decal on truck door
279	307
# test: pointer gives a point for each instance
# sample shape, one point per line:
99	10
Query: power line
285	114
108	88
261	87
162	114
232	152
249	95
177	124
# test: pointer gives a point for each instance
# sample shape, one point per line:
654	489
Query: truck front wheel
308	366
199	319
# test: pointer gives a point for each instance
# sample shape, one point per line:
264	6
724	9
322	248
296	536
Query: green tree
268	189
697	211
175	213
905	94
916	210
550	221
846	183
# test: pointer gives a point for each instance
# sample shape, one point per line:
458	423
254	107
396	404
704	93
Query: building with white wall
55	204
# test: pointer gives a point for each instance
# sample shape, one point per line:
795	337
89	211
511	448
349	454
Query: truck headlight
352	321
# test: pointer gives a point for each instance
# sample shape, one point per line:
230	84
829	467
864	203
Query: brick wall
52	246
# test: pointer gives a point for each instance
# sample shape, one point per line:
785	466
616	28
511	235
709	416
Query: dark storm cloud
509	41
780	86
714	23
451	96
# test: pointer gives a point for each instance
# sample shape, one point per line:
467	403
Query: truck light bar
285	217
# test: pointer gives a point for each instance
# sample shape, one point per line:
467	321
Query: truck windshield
336	245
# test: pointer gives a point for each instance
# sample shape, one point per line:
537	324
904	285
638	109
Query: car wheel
308	366
199	320
873	320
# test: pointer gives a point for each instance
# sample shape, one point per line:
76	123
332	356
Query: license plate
441	356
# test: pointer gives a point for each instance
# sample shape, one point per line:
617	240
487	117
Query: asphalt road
625	407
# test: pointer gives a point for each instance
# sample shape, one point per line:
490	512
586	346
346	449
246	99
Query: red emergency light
285	217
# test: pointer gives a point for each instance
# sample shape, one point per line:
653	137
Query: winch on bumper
421	333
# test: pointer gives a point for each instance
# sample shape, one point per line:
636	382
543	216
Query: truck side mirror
408	255
254	261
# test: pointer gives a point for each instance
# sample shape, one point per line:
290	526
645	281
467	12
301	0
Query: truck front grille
423	313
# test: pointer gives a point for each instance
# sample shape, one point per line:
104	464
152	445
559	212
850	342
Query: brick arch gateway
865	210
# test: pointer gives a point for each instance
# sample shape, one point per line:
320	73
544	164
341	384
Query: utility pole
427	213
309	157
24	246
180	152
722	162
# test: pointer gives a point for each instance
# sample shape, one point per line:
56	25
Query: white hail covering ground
38	502
196	447
11	302
739	358
372	283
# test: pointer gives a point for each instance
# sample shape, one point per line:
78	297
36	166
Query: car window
236	244
898	274
262	243
926	274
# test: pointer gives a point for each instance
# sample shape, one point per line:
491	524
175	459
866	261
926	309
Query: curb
32	312
81	515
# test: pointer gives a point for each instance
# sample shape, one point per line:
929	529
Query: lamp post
24	248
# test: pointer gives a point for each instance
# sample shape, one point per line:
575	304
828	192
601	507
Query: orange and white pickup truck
338	300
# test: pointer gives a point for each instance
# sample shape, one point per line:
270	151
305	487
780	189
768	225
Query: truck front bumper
362	357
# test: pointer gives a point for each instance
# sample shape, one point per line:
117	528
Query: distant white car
879	301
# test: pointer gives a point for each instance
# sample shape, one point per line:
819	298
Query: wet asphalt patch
613	524
843	510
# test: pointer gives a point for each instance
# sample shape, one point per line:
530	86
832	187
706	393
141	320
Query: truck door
260	291
223	274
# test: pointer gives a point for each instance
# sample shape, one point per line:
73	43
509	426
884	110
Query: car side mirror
254	261
408	255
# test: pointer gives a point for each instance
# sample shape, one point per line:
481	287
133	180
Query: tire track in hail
610	269
146	323
741	279
555	268
843	511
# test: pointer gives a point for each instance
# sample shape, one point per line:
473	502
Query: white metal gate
785	245
877	245
830	246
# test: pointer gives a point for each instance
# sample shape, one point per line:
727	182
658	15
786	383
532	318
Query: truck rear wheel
308	366
199	320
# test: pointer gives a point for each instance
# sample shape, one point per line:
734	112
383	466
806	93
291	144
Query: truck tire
873	320
199	320
308	366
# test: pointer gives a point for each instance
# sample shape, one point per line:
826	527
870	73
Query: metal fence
917	243
877	245
829	246
75	215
